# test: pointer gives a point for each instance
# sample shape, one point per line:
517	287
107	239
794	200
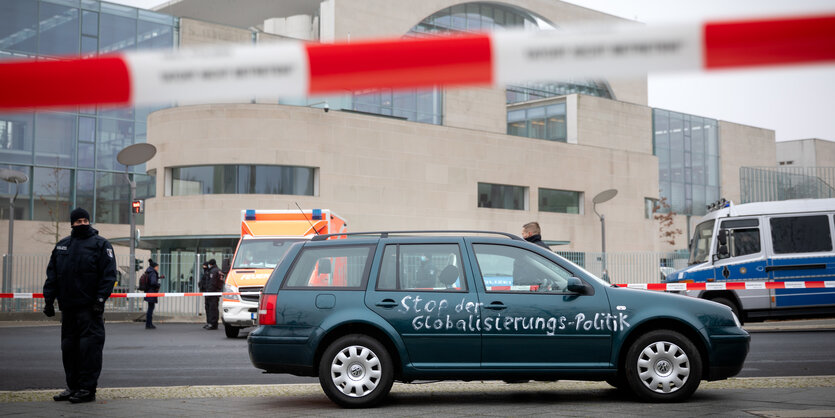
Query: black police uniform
81	275
214	284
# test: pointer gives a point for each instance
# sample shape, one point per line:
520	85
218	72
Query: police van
787	241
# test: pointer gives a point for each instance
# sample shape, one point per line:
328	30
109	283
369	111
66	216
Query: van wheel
356	371
663	366
231	332
729	303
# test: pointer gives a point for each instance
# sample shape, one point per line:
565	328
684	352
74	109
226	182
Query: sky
796	102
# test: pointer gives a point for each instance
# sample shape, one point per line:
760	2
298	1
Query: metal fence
182	272
764	184
178	272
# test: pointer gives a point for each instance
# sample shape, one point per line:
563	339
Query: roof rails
385	234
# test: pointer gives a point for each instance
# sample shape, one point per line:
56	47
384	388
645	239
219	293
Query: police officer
531	233
214	284
81	274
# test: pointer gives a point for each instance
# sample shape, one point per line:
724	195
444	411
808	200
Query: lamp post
16	177
134	155
601	197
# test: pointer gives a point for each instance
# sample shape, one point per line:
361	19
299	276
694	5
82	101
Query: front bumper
240	314
728	353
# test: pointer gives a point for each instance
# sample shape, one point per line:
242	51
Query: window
649	207
801	234
744	237
243	179
559	201
543	122
510	269
502	196
700	245
428	267
334	267
261	253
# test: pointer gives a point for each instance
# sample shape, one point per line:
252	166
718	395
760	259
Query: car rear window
331	266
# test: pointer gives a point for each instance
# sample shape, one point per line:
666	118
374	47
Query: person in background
153	287
214	284
80	275
532	233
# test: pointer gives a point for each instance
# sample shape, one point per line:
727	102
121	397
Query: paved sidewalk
766	397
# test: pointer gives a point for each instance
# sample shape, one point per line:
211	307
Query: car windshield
701	242
261	253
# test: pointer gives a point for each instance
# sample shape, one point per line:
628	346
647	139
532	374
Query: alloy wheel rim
356	371
663	367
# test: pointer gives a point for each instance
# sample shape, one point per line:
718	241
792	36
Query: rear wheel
356	371
231	332
663	366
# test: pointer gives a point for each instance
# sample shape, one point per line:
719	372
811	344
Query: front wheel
663	366
231	332
356	371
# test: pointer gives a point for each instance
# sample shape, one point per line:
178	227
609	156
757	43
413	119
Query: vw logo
663	367
356	370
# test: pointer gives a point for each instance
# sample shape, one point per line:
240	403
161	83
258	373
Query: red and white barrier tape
298	69
747	285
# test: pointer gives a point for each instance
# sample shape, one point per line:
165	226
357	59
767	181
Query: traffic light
138	206
138	266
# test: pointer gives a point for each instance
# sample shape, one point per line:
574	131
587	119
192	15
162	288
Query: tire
356	371
231	332
729	303
618	382
663	366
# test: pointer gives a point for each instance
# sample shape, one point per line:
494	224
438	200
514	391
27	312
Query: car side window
800	234
339	267
423	267
506	268
744	238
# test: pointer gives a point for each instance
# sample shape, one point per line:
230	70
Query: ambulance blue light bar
250	215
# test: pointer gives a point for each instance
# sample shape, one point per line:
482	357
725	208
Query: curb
308	389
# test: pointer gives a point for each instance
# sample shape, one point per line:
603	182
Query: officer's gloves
49	310
98	307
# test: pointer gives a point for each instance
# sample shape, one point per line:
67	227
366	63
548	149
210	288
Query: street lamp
16	177
601	197
134	155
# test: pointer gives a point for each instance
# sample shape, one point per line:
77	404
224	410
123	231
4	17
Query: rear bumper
280	354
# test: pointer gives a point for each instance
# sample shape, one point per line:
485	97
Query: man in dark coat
215	284
153	286
80	275
532	233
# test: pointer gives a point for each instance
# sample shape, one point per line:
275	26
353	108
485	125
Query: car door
802	250
535	323
745	262
425	292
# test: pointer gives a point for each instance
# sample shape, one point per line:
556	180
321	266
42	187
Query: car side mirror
722	237
576	285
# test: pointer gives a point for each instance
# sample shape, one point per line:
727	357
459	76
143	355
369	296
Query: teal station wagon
374	308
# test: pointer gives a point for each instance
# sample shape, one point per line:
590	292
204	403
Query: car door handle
387	303
496	306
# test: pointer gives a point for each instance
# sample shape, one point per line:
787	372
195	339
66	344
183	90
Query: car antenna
305	217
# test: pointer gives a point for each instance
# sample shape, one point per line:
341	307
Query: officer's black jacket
215	283
81	271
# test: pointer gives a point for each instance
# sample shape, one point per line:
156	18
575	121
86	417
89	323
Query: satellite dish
136	154
604	196
13	176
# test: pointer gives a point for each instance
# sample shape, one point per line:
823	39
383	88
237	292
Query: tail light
266	309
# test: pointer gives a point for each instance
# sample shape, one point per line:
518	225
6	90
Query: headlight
228	288
736	320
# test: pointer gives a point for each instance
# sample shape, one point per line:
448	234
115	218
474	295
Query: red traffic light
138	206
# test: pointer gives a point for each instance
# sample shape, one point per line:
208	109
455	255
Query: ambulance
266	235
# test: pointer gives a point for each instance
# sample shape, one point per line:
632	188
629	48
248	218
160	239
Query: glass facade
70	155
687	148
543	122
243	179
501	196
559	201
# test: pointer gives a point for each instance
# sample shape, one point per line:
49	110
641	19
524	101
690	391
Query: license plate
254	317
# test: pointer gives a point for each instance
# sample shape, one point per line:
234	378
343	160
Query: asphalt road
185	354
